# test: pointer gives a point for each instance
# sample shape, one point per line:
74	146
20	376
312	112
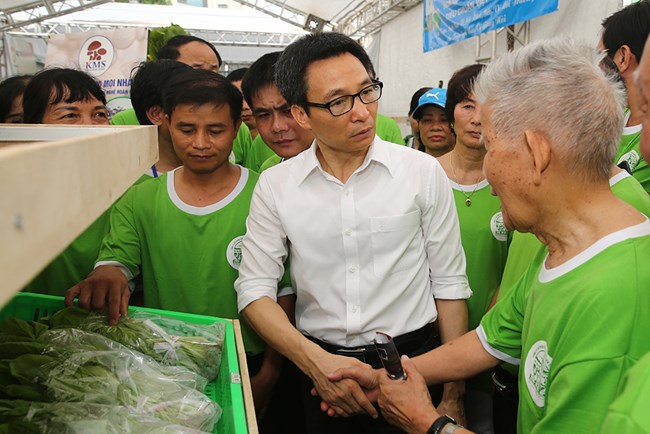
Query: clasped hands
404	403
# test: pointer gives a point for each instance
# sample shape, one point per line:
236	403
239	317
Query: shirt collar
378	152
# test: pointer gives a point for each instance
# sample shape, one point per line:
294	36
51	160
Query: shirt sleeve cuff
287	290
480	331
459	291
249	291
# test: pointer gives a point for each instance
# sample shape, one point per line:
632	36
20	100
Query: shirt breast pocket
396	242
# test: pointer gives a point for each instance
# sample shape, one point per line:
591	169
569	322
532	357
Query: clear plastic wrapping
83	418
168	341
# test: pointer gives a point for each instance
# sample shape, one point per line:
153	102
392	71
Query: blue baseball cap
436	96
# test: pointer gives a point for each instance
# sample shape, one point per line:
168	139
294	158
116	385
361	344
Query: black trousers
505	401
317	422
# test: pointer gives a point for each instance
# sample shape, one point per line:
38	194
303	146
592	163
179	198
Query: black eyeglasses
344	104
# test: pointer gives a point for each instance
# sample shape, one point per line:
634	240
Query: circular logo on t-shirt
498	228
632	159
233	252
96	55
538	363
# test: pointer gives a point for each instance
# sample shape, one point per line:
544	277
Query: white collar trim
618	177
208	209
628	131
636	231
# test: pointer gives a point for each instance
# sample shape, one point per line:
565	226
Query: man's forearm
271	323
456	360
452	319
452	322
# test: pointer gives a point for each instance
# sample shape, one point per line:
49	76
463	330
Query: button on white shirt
368	255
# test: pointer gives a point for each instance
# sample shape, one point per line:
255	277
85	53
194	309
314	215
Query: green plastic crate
226	389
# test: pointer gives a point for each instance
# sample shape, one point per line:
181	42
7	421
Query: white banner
107	55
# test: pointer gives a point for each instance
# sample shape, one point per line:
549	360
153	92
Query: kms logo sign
96	55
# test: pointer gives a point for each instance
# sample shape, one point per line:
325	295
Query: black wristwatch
440	423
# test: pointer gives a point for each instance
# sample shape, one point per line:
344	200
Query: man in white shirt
371	229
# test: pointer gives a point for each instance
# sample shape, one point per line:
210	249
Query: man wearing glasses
371	230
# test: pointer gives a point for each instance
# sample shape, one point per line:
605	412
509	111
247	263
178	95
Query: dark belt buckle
357	354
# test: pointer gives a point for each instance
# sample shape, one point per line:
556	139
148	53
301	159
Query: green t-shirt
256	154
188	256
125	117
240	147
525	246
388	130
576	329
485	242
629	150
270	162
629	413
74	263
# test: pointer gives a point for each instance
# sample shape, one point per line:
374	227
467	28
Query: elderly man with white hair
578	319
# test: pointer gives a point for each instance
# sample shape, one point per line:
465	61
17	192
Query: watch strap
450	428
436	427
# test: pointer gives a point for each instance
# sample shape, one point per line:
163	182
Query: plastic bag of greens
79	366
82	418
65	340
197	347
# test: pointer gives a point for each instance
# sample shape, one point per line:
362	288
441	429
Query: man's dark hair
52	86
10	89
260	75
170	49
197	87
148	81
630	26
460	87
291	68
237	74
415	99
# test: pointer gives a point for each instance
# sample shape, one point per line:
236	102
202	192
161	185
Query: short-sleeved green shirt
525	246
576	329
273	160
629	150
256	154
485	242
125	117
188	256
629	413
388	130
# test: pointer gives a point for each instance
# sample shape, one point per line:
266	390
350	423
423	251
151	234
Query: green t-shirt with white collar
629	413
485	242
574	330
188	256
629	150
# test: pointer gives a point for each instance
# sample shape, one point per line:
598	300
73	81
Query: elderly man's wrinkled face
504	166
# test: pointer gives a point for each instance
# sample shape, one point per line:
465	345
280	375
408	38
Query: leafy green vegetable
30	330
199	348
21	416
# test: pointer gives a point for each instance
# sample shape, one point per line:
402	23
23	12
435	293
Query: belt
412	344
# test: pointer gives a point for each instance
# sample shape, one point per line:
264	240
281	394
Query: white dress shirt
368	255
